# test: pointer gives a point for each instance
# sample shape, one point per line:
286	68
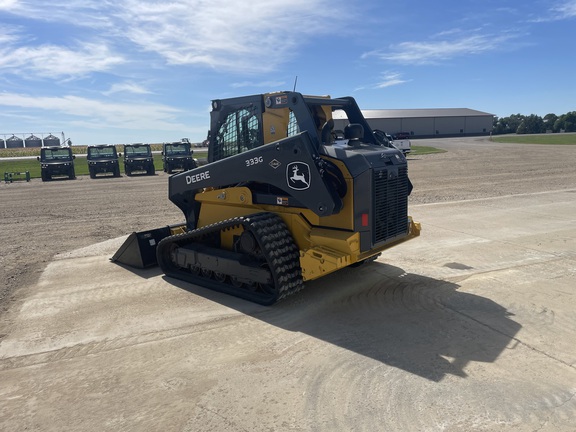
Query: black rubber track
277	252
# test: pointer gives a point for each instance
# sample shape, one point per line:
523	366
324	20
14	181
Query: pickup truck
401	135
404	145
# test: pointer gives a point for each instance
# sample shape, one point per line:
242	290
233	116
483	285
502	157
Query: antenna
295	81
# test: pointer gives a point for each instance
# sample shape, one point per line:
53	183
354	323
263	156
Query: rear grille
390	204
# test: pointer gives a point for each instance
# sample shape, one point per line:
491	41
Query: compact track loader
283	199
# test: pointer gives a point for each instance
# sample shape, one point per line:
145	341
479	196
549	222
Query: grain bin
33	141
51	141
14	142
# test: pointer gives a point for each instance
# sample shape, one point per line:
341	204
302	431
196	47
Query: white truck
404	145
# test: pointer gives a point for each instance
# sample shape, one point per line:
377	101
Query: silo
51	141
2	143
33	141
14	142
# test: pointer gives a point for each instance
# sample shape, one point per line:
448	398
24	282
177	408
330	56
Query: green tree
566	122
532	124
499	125
570	121
549	121
508	124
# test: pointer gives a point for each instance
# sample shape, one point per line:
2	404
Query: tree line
534	124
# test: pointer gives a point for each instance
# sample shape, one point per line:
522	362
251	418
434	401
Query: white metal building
424	123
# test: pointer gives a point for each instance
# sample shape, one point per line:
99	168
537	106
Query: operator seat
326	134
354	132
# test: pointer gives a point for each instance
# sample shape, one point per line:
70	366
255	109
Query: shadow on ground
415	323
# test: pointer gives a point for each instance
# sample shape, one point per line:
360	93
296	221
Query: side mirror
38	158
73	156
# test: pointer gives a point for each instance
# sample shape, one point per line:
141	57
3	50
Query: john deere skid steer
283	199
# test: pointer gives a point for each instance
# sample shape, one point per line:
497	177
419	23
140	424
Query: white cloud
7	36
390	79
98	114
255	35
127	87
387	79
565	10
419	53
559	11
58	62
69	13
8	5
243	36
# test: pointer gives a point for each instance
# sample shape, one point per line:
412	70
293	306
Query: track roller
263	265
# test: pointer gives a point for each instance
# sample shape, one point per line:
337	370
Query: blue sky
145	71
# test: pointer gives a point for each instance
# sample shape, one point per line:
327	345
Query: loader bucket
139	249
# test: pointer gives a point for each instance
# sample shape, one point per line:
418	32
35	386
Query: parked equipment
177	156
138	158
56	161
281	201
102	159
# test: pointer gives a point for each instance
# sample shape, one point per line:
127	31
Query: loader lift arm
291	171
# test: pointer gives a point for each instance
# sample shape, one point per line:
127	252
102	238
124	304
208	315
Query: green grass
552	139
80	163
77	150
422	150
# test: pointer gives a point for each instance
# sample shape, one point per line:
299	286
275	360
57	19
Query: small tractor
138	158
56	162
102	159
283	199
177	156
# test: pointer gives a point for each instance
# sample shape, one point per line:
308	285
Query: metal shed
426	123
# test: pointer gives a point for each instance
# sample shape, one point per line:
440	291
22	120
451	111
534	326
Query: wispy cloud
56	61
95	113
243	36
8	36
436	51
80	13
127	87
8	5
559	11
240	36
565	10
387	79
390	79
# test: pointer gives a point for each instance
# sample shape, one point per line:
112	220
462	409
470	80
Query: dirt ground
40	220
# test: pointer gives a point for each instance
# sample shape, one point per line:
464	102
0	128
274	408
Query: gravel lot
40	220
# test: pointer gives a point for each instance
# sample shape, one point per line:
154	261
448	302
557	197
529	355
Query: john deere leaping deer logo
298	175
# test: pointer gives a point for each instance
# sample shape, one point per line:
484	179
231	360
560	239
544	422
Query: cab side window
238	133
293	128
